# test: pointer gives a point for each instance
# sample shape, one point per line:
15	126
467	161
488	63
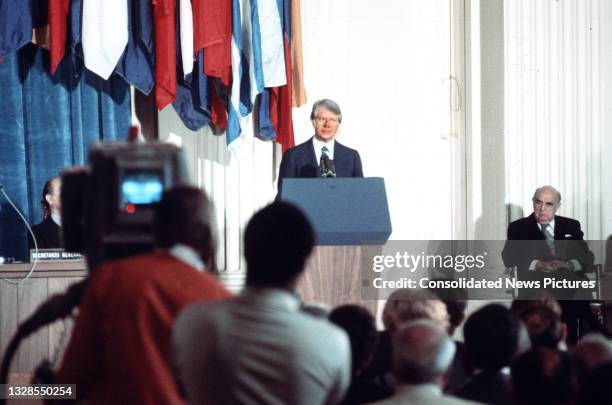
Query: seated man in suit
47	232
304	160
546	256
552	246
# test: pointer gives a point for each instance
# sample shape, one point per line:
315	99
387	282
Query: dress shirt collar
318	145
187	255
56	218
552	226
425	389
275	297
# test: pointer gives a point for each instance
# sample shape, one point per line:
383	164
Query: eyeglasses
323	120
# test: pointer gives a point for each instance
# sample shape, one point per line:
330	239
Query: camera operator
118	352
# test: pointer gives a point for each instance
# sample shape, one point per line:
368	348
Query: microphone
330	167
327	167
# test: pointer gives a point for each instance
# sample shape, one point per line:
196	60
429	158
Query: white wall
557	126
387	64
450	172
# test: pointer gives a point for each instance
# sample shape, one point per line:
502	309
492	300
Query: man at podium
321	155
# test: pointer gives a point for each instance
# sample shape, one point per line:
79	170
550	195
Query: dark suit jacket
47	235
569	243
488	387
301	161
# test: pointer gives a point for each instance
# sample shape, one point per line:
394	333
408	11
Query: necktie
324	151
550	238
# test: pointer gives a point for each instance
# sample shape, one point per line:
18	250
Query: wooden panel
17	303
8	313
333	277
59	331
31	294
44	269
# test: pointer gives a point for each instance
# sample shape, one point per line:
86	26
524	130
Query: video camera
108	207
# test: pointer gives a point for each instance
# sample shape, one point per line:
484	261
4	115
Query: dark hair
544	376
360	327
184	215
47	190
491	336
277	242
596	388
543	325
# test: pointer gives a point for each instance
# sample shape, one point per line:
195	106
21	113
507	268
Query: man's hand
545	266
552	265
561	265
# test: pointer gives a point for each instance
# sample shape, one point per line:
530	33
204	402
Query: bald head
422	352
410	304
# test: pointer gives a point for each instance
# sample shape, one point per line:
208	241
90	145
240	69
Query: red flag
280	106
165	51
212	30
58	14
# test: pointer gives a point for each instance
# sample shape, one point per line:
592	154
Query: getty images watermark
481	268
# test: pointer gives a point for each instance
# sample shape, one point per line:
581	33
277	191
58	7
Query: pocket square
567	235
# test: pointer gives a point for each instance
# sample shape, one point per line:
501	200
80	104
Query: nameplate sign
53	255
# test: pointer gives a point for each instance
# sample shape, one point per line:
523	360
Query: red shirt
120	346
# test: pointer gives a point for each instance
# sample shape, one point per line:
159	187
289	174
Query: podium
346	213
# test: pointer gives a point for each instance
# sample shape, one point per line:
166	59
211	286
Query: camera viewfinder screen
140	187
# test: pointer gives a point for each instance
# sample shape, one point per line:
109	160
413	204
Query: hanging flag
280	107
15	25
137	66
298	91
241	101
212	31
269	58
165	51
280	97
76	49
186	30
58	20
271	33
104	34
265	126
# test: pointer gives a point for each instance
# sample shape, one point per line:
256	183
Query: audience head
456	302
544	326
546	202
534	298
409	304
277	243
360	327
51	201
596	388
590	352
184	216
543	376
422	352
491	337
